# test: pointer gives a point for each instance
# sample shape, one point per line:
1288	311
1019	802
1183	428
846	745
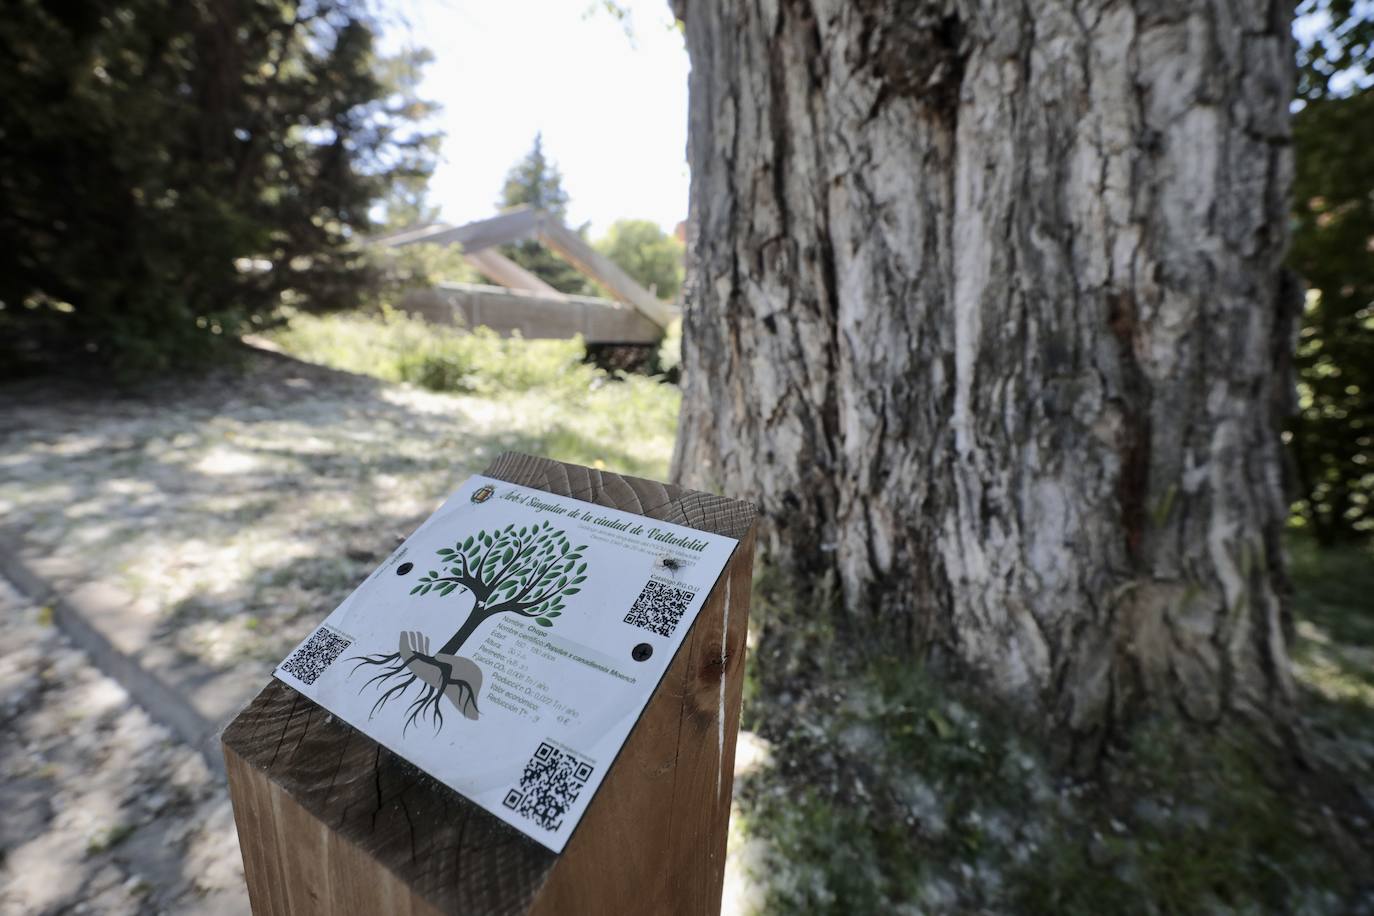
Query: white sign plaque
508	647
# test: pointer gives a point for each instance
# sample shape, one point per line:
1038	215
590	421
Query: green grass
1333	588
396	347
901	793
1333	654
559	405
108	838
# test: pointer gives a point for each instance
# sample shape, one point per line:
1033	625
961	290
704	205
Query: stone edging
85	618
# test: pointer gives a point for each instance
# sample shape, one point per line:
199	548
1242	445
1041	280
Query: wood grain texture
331	822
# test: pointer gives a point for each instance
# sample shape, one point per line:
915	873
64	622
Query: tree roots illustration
443	677
526	573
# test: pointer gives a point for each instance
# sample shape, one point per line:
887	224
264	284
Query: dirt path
103	811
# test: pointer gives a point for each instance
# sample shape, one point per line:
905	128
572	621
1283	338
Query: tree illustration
526	571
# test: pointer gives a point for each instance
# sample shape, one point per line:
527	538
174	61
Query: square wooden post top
397	836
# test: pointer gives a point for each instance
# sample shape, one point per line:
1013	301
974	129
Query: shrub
172	172
392	345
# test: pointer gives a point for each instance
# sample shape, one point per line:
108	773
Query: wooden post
332	822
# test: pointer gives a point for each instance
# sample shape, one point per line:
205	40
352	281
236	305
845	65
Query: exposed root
427	704
425	707
395	690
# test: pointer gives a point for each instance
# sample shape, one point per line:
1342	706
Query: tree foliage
405	201
528	571
172	172
1332	436
535	181
1340	49
647	253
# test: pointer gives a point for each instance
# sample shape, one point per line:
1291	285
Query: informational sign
509	646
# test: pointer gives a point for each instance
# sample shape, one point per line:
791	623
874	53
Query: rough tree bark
983	311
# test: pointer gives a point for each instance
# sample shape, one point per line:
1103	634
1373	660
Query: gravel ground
102	811
238	509
235	510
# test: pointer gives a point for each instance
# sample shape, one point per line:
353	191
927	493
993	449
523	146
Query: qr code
308	662
552	781
659	608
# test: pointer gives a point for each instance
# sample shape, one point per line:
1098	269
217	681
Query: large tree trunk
983	312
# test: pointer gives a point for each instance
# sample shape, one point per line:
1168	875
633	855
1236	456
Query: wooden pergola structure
524	303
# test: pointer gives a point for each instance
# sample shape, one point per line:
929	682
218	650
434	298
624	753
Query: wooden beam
413	235
511	226
532	316
508	273
525	223
331	822
603	270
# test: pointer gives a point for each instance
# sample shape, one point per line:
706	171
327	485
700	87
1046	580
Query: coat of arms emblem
482	494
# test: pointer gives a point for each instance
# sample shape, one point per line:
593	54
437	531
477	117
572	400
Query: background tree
647	253
1332	435
406	199
535	181
172	172
983	312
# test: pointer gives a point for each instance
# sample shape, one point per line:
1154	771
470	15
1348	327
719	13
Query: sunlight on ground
241	512
1339	673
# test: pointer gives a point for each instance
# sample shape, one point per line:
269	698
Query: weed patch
891	789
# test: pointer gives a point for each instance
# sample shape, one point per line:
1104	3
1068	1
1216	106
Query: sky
612	107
